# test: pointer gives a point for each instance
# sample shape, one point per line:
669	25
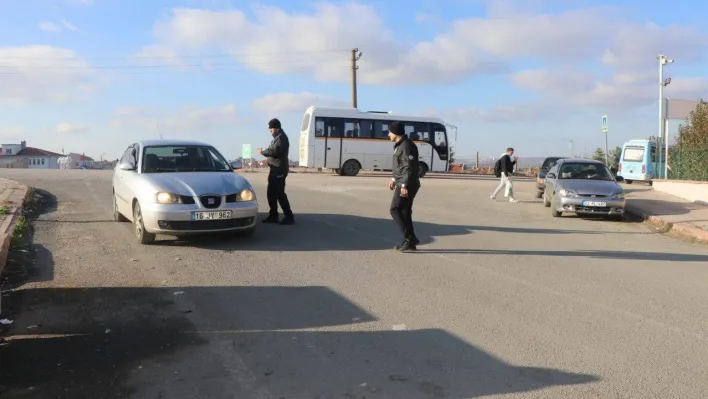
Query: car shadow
596	254
236	342
328	232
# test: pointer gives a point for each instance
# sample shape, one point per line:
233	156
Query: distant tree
688	159
452	154
615	155
599	155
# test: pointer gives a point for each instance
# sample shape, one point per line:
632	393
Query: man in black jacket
277	155
507	168
405	184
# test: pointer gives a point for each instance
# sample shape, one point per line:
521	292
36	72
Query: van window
633	154
305	122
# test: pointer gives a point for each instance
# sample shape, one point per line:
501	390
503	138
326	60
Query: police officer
277	155
405	184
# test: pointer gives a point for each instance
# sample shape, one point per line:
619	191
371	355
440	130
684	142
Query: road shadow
329	232
623	255
661	207
29	264
229	342
46	201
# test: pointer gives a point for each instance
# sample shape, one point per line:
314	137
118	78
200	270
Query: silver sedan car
178	188
584	187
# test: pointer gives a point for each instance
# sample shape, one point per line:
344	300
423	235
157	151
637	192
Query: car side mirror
126	166
551	176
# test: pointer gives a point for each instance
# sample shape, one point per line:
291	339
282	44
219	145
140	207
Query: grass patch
4	210
19	234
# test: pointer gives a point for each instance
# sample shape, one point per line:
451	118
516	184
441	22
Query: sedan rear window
189	158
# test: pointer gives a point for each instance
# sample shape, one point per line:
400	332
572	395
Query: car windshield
584	171
183	158
549	162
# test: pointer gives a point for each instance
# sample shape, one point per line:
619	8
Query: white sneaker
493	198
513	200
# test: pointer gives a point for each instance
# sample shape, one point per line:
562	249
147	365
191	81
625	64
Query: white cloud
66	127
12	134
280	103
570	43
45	74
49	27
188	119
52	27
70	26
620	91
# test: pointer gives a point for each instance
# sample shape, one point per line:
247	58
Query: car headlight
246	195
567	193
167	198
618	196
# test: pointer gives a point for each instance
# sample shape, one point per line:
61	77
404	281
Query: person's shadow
336	232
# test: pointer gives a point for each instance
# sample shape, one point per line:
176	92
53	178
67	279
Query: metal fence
688	163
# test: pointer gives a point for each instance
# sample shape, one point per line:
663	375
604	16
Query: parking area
501	300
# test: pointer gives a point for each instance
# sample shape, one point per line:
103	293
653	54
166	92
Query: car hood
199	183
597	187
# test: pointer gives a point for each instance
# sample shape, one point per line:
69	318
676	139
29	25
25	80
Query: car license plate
595	203
211	215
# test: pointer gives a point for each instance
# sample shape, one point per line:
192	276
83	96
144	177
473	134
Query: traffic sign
246	152
604	123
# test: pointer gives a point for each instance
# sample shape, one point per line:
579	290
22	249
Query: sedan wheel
141	235
117	216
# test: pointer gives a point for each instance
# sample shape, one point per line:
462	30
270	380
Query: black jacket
507	165
277	154
405	163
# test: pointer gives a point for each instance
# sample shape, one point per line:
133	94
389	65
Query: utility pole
663	136
356	55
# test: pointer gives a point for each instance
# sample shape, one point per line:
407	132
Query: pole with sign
604	130
246	154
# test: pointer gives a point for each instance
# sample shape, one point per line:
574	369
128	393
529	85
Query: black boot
271	219
288	220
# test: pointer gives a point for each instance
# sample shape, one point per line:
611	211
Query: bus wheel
350	168
628	181
422	169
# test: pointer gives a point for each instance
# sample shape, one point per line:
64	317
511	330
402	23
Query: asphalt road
502	301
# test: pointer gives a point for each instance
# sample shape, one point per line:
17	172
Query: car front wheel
141	234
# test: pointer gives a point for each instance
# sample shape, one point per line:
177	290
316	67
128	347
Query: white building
21	156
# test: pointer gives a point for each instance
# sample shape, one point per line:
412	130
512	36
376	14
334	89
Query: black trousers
276	194
402	210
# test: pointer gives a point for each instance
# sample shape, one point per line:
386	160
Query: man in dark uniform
405	184
277	155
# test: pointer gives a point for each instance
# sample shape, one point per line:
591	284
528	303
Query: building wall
42	162
13	162
11	149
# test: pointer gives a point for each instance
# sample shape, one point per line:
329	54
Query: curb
8	225
688	231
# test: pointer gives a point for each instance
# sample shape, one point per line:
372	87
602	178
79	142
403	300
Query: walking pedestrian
405	185
279	163
506	167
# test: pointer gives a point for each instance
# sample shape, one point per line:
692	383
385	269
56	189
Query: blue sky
533	74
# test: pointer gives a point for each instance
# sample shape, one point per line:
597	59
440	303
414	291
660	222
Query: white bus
348	140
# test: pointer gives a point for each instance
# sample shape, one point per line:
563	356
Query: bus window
350	127
633	154
305	123
335	127
366	129
422	131
319	127
381	129
409	129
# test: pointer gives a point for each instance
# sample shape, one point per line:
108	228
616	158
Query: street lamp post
664	136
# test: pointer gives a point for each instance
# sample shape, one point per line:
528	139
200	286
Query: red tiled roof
83	158
37	152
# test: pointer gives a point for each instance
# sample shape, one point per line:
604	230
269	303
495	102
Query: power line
137	57
302	69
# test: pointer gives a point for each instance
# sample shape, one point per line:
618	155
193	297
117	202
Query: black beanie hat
274	124
397	129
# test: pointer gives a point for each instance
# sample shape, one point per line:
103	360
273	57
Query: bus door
439	157
334	131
